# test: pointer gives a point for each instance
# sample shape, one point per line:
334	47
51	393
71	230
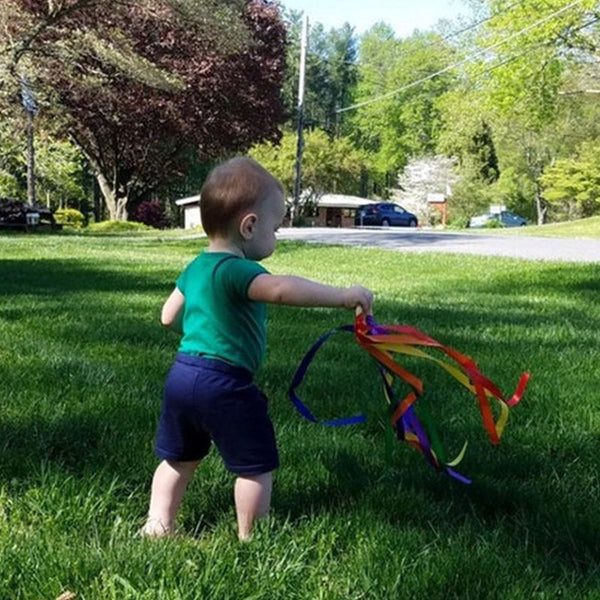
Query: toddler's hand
358	296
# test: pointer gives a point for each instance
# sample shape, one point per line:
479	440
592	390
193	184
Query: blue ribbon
299	377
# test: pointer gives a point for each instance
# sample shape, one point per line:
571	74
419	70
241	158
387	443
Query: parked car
15	214
506	218
384	214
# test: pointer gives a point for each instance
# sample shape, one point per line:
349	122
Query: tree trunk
540	207
116	205
31	196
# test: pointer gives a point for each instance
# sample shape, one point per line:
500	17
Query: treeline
501	110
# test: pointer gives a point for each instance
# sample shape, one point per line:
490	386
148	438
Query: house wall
191	216
334	217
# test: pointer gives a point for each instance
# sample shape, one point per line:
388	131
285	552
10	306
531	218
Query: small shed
336	210
439	202
191	211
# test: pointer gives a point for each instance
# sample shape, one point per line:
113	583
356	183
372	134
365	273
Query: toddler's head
243	203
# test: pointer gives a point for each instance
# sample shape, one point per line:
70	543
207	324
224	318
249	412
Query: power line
528	51
461	62
481	21
437	42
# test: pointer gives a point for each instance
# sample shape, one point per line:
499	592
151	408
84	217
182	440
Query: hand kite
381	342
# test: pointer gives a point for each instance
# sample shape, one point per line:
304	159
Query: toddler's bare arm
297	291
172	311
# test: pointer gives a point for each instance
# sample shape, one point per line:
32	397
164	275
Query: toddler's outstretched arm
297	291
172	311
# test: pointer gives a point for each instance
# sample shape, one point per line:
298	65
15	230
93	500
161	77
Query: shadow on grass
56	277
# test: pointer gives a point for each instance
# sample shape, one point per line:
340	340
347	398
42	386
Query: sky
403	15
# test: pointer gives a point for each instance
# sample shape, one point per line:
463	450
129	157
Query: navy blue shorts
208	400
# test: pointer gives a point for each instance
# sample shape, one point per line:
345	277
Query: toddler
219	305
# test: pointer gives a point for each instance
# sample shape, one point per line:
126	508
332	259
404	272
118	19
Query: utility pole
300	128
31	108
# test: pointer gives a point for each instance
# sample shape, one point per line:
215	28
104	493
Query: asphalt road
417	240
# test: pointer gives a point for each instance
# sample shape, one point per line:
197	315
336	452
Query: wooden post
300	127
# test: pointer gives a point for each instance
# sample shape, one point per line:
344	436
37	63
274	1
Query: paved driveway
411	240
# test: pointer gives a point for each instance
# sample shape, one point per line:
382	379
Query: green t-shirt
219	321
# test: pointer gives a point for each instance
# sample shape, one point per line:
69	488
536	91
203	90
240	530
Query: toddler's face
271	213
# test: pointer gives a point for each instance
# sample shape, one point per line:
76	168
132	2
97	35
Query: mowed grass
82	362
581	228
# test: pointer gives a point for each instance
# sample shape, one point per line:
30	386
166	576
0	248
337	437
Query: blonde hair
232	189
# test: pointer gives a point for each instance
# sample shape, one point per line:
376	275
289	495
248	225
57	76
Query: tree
571	186
423	176
61	174
526	89
329	165
136	85
467	135
60	171
534	44
13	177
396	117
330	76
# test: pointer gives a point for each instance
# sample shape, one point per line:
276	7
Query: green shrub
460	222
117	227
70	217
494	224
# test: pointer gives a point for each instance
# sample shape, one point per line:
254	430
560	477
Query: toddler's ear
247	225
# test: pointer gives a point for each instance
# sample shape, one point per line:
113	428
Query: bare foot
155	528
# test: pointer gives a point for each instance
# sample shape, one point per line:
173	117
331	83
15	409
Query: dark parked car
15	214
384	214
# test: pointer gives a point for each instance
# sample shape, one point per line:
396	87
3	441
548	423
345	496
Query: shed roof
342	201
188	200
325	201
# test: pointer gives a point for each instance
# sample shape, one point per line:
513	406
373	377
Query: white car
506	218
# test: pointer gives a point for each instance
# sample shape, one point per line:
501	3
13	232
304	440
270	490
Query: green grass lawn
82	362
582	228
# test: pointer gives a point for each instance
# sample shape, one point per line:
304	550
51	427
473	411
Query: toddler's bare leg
252	500
168	486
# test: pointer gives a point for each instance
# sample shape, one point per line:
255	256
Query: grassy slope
82	364
582	228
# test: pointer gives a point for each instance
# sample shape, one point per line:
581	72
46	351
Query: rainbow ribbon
381	342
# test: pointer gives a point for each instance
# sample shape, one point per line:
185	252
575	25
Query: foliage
470	196
522	91
406	122
329	165
13	171
116	227
493	224
510	99
59	165
572	185
69	217
330	74
535	44
138	84
151	213
60	172
459	222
